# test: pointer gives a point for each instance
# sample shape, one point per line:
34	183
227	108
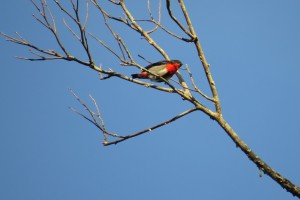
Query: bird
164	68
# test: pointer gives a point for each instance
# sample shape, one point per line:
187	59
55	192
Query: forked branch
97	120
127	58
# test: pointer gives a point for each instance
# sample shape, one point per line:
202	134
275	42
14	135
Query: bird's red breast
172	67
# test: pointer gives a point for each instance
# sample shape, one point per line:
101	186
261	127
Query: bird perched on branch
165	69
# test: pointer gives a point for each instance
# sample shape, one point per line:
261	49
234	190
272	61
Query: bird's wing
163	62
159	70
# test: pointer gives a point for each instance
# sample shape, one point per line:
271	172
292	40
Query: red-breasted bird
165	69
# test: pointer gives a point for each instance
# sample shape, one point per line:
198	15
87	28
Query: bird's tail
135	75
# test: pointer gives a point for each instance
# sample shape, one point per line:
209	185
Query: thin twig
121	43
175	81
100	118
151	128
119	19
142	57
92	114
175	19
152	18
165	29
106	46
71	30
195	86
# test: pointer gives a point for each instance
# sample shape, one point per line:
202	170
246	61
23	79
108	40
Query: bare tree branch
23	42
119	19
152	18
165	29
151	128
126	57
176	21
97	115
196	87
261	165
202	58
107	47
72	31
47	24
94	116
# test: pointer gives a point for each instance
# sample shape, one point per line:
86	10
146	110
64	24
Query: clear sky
48	152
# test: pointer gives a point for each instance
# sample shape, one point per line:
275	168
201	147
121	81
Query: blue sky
48	152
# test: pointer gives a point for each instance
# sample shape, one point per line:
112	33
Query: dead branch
196	87
98	121
201	55
176	21
152	18
151	128
46	19
95	116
